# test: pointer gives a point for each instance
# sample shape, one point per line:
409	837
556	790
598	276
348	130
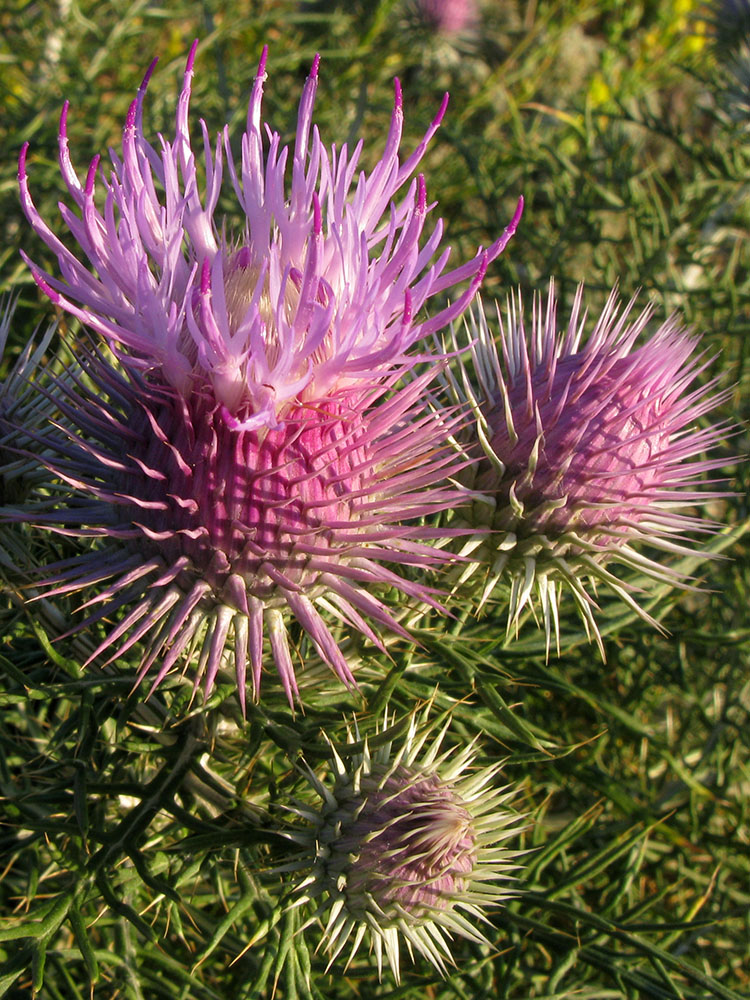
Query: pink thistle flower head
449	17
247	455
409	845
591	449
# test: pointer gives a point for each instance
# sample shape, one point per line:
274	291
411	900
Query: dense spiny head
589	446
216	534
406	848
582	442
407	844
235	502
247	454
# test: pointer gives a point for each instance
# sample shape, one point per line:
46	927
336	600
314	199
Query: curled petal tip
63	130
130	120
149	72
91	175
398	98
50	292
22	162
262	62
499	245
315	65
517	215
191	57
442	109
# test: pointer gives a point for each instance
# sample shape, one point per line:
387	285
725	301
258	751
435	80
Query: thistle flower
246	454
406	847
449	17
589	448
319	291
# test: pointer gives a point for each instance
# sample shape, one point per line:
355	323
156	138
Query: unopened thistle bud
590	450
407	847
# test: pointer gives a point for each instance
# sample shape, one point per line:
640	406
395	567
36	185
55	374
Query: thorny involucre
238	437
590	449
407	846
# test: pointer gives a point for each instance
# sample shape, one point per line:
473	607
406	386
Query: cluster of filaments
322	290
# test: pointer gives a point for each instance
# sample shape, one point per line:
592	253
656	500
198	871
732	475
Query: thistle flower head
449	17
247	456
590	450
407	846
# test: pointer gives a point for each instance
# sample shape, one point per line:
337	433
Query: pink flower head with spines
320	289
250	454
593	448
